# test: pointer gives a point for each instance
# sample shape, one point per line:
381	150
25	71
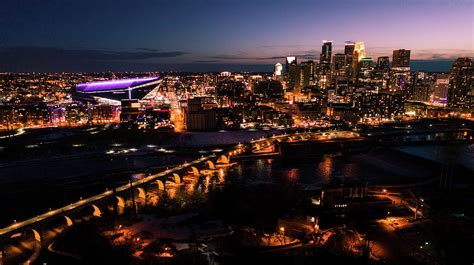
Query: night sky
203	35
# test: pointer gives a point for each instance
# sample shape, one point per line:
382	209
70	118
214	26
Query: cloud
83	54
59	59
441	54
147	49
307	56
207	61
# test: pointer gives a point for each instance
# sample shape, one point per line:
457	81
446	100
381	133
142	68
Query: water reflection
325	169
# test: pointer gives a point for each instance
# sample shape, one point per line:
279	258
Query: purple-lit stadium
113	91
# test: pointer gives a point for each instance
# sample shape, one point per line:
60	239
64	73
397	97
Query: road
176	113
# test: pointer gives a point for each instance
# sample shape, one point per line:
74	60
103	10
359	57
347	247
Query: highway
19	226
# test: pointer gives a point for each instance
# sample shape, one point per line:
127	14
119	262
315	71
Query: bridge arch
223	159
195	171
210	164
97	212
141	193
176	178
69	222
120	202
161	185
37	235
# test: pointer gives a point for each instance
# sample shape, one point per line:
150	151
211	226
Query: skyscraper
349	52
383	63
308	74
460	91
291	72
326	52
278	72
349	48
382	73
401	58
339	64
325	58
400	69
441	86
423	87
359	51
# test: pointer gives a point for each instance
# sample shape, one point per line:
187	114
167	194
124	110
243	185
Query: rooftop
114	84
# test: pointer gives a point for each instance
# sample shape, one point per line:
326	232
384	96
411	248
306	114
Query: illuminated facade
460	92
111	92
278	72
400	69
359	51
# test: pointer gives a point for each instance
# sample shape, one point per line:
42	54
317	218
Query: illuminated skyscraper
460	91
440	90
400	69
278	72
291	72
359	54
359	51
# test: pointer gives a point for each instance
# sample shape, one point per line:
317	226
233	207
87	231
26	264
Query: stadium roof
114	84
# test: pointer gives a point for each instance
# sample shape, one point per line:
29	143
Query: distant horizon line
431	65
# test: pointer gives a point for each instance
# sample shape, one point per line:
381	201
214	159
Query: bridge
161	179
308	142
267	147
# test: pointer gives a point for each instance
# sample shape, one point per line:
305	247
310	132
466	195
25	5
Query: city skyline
240	35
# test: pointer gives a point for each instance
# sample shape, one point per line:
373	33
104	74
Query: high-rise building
460	92
401	58
291	72
291	60
349	52
422	88
326	52
383	64
382	72
339	64
308	74
349	48
440	90
400	69
359	51
278	72
325	58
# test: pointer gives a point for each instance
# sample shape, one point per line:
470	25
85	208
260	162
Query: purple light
113	84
